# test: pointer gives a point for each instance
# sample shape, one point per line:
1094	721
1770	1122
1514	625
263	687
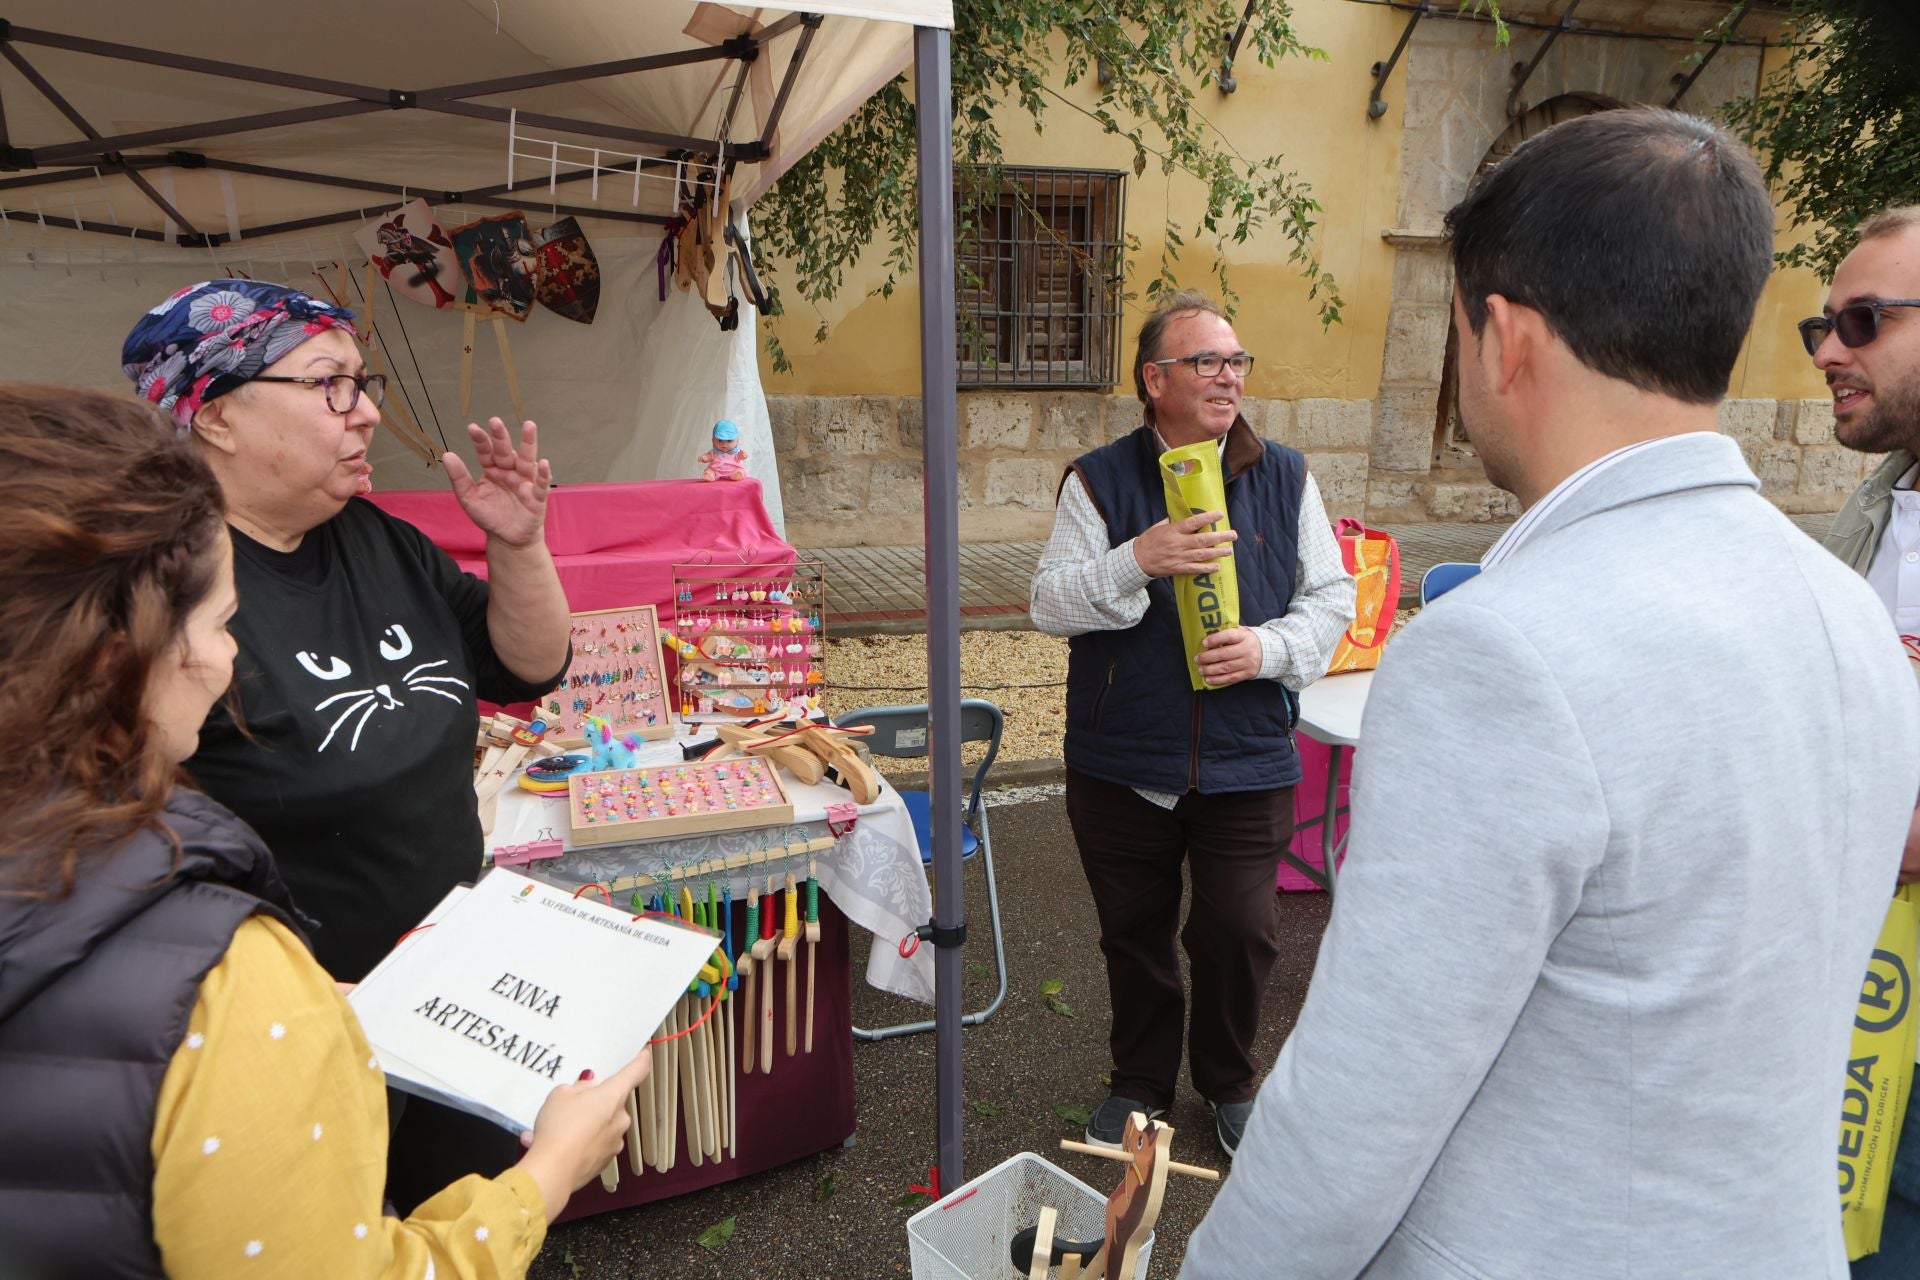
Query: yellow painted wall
1313	113
1774	365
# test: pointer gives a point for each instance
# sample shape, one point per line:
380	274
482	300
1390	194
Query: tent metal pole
67	152
79	122
933	129
772	122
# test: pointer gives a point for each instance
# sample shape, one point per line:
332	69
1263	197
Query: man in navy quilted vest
1157	774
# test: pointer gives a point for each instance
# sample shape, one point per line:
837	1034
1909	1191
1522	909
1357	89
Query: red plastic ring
909	945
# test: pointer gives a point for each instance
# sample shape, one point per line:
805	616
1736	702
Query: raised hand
509	499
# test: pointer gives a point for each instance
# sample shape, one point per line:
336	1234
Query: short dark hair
1643	236
1147	349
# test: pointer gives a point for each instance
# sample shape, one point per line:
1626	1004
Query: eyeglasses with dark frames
1208	363
1855	324
342	386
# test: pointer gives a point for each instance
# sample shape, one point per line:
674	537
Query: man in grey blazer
1628	807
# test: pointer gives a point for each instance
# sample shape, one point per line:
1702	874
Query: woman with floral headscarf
362	646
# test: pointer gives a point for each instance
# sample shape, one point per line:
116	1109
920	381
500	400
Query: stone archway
1454	120
1454	461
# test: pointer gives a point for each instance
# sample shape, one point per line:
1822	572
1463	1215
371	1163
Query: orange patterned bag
1373	558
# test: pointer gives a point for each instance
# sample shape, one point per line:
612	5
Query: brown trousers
1131	850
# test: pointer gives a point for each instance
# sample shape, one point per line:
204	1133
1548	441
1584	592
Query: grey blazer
1627	813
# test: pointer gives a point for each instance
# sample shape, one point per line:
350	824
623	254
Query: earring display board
617	674
620	806
750	640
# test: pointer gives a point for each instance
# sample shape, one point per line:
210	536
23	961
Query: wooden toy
509	742
617	674
1146	1147
813	940
789	955
763	954
624	805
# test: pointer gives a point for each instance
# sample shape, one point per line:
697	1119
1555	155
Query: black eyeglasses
1855	324
345	386
1208	364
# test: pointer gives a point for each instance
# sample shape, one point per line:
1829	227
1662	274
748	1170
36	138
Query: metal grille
1040	275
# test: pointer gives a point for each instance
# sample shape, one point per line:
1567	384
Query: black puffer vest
95	992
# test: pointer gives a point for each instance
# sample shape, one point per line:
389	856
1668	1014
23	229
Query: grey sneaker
1109	1123
1230	1123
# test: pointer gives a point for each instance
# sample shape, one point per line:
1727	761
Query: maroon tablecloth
804	1106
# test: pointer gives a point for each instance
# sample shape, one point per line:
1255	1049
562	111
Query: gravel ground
839	1214
1024	672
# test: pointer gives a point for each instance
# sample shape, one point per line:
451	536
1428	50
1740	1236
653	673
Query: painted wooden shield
414	255
567	278
497	257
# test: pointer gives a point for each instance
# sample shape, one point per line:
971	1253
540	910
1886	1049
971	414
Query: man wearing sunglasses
1157	774
1867	343
1626	814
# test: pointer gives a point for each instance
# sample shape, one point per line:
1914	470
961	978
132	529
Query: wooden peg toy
813	942
744	966
763	949
789	956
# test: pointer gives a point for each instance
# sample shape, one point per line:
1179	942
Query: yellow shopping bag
1879	1075
1208	602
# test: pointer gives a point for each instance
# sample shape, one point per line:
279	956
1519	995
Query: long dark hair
108	529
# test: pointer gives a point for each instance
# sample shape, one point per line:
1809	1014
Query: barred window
1040	275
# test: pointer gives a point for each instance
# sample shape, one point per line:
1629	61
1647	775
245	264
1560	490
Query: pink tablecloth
1308	799
615	544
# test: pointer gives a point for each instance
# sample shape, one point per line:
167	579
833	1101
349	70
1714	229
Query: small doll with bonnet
726	460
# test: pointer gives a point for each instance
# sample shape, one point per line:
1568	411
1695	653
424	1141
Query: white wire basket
965	1234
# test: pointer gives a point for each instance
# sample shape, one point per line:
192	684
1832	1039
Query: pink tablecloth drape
1308	799
615	544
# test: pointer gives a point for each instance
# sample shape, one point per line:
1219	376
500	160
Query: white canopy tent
115	115
146	146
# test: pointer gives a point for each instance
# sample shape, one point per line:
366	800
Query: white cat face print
375	695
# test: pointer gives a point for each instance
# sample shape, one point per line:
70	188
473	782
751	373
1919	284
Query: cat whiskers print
395	646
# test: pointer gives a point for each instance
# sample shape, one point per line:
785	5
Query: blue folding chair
1443	578
901	732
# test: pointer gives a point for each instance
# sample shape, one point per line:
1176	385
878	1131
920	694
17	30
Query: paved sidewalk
882	590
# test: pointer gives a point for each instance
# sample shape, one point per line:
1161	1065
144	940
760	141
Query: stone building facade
851	467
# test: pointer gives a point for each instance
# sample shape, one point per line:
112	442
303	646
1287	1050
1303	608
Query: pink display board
1308	798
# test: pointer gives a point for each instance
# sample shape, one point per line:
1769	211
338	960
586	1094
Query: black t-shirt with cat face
361	656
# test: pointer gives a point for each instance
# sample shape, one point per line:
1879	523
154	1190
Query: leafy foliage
1150	60
716	1235
1076	1116
1835	125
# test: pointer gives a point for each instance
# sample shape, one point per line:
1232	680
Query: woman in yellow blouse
187	1092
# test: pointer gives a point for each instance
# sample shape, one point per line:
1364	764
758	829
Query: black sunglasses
343	389
1856	324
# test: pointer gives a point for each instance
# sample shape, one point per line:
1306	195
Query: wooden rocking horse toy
1147	1148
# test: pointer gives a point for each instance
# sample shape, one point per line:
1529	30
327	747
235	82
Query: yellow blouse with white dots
270	1142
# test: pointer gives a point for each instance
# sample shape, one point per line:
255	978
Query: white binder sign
513	987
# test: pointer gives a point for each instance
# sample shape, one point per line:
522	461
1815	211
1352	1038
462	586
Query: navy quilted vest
1132	716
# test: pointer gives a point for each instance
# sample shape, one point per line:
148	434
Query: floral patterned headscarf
211	337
